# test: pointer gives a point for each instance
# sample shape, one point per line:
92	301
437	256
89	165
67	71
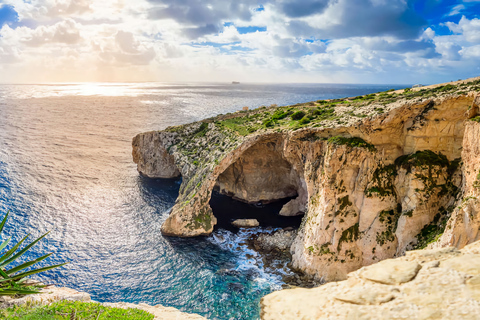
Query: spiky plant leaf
29	273
5	243
27	264
14	291
3	221
21	252
7	254
14	284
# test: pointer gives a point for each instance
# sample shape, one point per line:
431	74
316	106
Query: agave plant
12	281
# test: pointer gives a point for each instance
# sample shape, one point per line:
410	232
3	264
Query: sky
332	41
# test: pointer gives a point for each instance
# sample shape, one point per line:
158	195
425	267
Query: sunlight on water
66	166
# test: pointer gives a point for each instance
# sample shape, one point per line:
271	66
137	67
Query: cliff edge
374	175
424	284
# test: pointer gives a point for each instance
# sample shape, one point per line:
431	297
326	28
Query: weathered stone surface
391	271
280	240
160	312
438	291
469	264
261	173
245	223
149	151
47	295
463	226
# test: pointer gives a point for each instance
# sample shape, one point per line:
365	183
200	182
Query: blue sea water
66	166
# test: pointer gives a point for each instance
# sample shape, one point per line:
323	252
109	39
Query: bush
304	120
12	280
298	115
268	123
202	130
279	114
352	142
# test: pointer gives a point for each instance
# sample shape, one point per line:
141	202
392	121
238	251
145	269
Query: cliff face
425	284
464	225
370	189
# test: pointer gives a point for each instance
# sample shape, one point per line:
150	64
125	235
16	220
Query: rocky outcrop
424	284
245	223
464	224
151	155
369	189
51	294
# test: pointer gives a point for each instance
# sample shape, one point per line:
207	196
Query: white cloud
469	28
361	40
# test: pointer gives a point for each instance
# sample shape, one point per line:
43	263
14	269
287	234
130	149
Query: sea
66	167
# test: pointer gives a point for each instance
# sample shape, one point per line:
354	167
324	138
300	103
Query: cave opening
261	184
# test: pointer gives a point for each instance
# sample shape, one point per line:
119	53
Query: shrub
12	280
268	123
304	120
298	115
476	119
202	130
279	114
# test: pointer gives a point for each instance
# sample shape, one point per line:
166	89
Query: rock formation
374	176
440	283
245	223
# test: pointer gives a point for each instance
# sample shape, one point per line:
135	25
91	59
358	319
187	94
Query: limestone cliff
374	175
425	284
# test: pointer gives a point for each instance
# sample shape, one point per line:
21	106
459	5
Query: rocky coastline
442	283
375	177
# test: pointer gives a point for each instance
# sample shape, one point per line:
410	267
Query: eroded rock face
261	174
369	191
149	151
464	224
424	284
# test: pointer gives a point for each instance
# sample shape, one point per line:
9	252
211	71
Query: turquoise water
66	166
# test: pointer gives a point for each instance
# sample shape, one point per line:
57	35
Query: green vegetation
239	125
476	183
431	164
425	158
12	281
354	142
69	310
476	119
349	235
383	181
202	220
390	220
304	120
298	115
432	231
202	130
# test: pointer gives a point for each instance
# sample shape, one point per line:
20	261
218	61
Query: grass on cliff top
69	310
322	113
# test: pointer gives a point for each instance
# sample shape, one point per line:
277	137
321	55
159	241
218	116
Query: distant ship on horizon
235	82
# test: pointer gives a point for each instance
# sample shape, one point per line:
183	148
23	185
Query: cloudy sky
349	41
